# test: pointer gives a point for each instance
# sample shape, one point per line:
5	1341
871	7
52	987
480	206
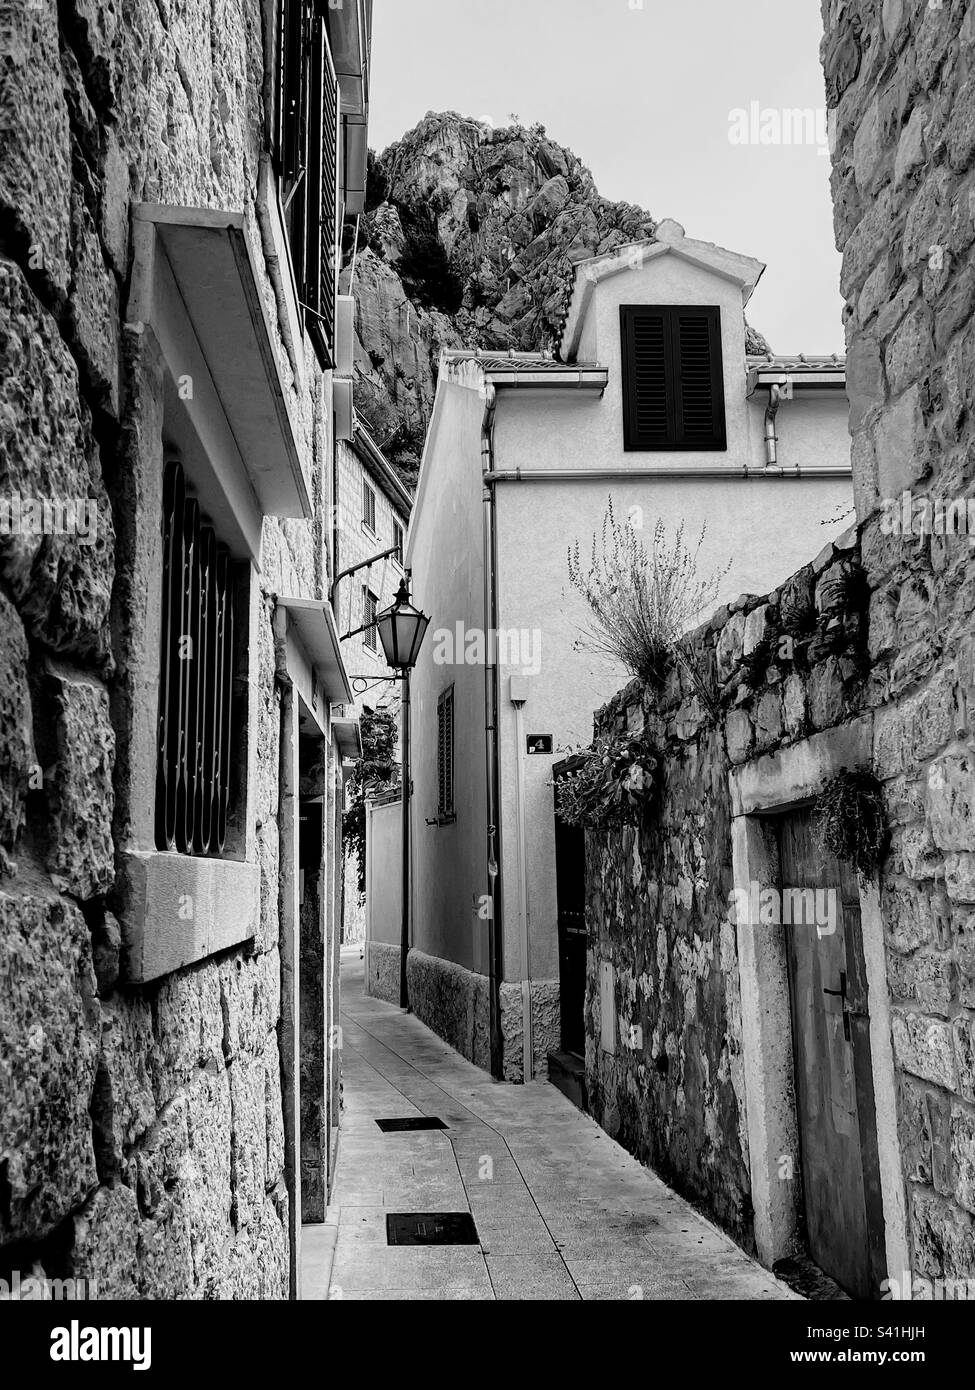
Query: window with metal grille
368	506
673	381
306	152
196	703
370	607
445	753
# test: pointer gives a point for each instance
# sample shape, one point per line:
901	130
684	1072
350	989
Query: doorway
835	1109
820	1107
570	887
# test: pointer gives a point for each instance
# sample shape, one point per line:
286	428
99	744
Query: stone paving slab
562	1212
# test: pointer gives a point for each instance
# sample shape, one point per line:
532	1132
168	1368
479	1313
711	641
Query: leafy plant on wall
611	785
375	772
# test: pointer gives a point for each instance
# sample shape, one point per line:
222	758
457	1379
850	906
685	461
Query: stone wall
141	1131
454	1002
777	669
900	81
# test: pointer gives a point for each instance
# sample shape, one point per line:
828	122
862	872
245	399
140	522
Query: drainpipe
491	707
775	398
518	694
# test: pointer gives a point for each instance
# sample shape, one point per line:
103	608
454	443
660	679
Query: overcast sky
644	96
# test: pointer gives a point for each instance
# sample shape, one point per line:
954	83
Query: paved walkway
561	1211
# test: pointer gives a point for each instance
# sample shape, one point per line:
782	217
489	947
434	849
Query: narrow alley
560	1210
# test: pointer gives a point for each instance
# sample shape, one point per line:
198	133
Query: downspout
775	399
491	707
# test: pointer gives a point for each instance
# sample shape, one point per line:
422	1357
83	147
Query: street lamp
401	630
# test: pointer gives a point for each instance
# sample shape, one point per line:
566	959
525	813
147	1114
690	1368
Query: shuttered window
370	607
673	382
445	753
323	219
306	157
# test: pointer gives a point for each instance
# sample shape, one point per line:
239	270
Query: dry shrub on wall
644	597
851	822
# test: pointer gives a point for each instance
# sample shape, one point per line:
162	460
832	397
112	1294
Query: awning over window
312	623
194	281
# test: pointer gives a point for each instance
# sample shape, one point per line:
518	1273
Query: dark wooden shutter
291	81
647	374
323	223
673	385
700	380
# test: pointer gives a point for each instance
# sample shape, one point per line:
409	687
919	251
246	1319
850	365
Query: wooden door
570	878
834	1078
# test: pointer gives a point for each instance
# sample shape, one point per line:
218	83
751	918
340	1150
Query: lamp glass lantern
401	631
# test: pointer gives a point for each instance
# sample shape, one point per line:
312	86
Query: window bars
196	678
445	753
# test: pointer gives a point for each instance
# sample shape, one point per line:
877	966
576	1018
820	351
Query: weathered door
570	875
834	1079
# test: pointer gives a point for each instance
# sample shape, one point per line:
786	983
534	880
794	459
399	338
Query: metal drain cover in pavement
430	1228
410	1122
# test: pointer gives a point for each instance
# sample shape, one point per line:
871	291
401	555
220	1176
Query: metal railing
196	678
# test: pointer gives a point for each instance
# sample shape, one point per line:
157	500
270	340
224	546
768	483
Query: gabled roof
668	240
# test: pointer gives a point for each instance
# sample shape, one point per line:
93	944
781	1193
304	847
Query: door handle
841	995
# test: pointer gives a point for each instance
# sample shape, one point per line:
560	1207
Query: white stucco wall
449	861
384	881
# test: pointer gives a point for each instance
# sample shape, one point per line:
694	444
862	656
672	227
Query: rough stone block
898	435
49	1036
942	1236
35	155
739	735
964	1030
106	1243
963	1156
81	852
951	799
923	1047
93	307
960	877
923	979
827	702
62	582
248	1140
17	758
730	644
189	1028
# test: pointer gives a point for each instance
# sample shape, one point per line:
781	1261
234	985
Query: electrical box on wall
518	687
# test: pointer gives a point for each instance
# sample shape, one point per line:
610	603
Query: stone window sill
180	909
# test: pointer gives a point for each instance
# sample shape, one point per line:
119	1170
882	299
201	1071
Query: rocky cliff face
468	241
